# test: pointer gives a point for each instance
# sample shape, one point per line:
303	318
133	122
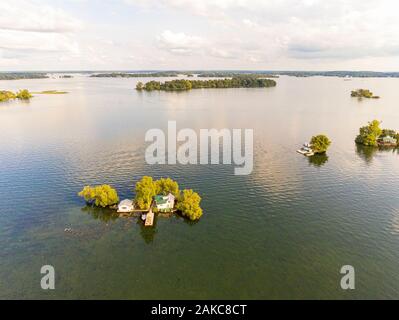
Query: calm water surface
282	232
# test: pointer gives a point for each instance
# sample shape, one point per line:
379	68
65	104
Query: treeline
220	74
21	75
8	95
135	75
184	85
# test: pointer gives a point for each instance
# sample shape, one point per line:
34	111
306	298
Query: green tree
139	86
189	204
369	134
167	185
24	95
6	95
100	196
320	143
146	189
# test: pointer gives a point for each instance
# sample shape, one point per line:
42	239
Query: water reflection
318	160
147	233
366	153
102	214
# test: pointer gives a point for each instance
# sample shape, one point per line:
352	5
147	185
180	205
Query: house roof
126	202
161	199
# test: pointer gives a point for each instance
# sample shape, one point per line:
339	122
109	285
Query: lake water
283	232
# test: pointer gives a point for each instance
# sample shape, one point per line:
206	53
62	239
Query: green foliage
189	204
320	143
184	85
363	93
139	86
100	196
6	95
369	134
23	95
166	186
146	189
136	75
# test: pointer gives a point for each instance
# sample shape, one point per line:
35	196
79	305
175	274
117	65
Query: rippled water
282	232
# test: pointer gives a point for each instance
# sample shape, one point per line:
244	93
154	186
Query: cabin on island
126	206
165	203
388	141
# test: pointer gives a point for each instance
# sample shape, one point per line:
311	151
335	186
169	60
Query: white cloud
179	43
29	16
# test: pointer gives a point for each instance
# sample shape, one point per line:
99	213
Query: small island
373	136
318	145
161	197
363	93
9	95
185	85
51	92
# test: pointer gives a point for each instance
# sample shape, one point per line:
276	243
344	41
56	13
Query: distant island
184	85
213	74
136	75
9	95
373	136
22	75
363	93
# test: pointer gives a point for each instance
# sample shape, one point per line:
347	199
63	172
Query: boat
306	150
144	217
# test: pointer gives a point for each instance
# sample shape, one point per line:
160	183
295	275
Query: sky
199	35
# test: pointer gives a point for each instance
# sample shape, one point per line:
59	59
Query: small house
388	141
126	206
165	203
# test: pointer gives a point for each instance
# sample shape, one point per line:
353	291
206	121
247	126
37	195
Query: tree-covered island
9	95
147	192
372	135
184	85
363	93
160	74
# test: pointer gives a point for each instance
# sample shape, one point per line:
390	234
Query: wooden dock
149	221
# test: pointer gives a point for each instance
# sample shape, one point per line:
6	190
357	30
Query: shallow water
282	232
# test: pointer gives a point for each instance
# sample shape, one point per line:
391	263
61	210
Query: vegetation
188	201
23	95
51	92
100	196
8	95
189	204
21	75
184	85
363	93
225	74
146	189
166	186
136	75
320	143
369	134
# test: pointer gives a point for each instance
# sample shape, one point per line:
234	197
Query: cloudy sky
199	34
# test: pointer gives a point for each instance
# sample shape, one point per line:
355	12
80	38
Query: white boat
306	151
